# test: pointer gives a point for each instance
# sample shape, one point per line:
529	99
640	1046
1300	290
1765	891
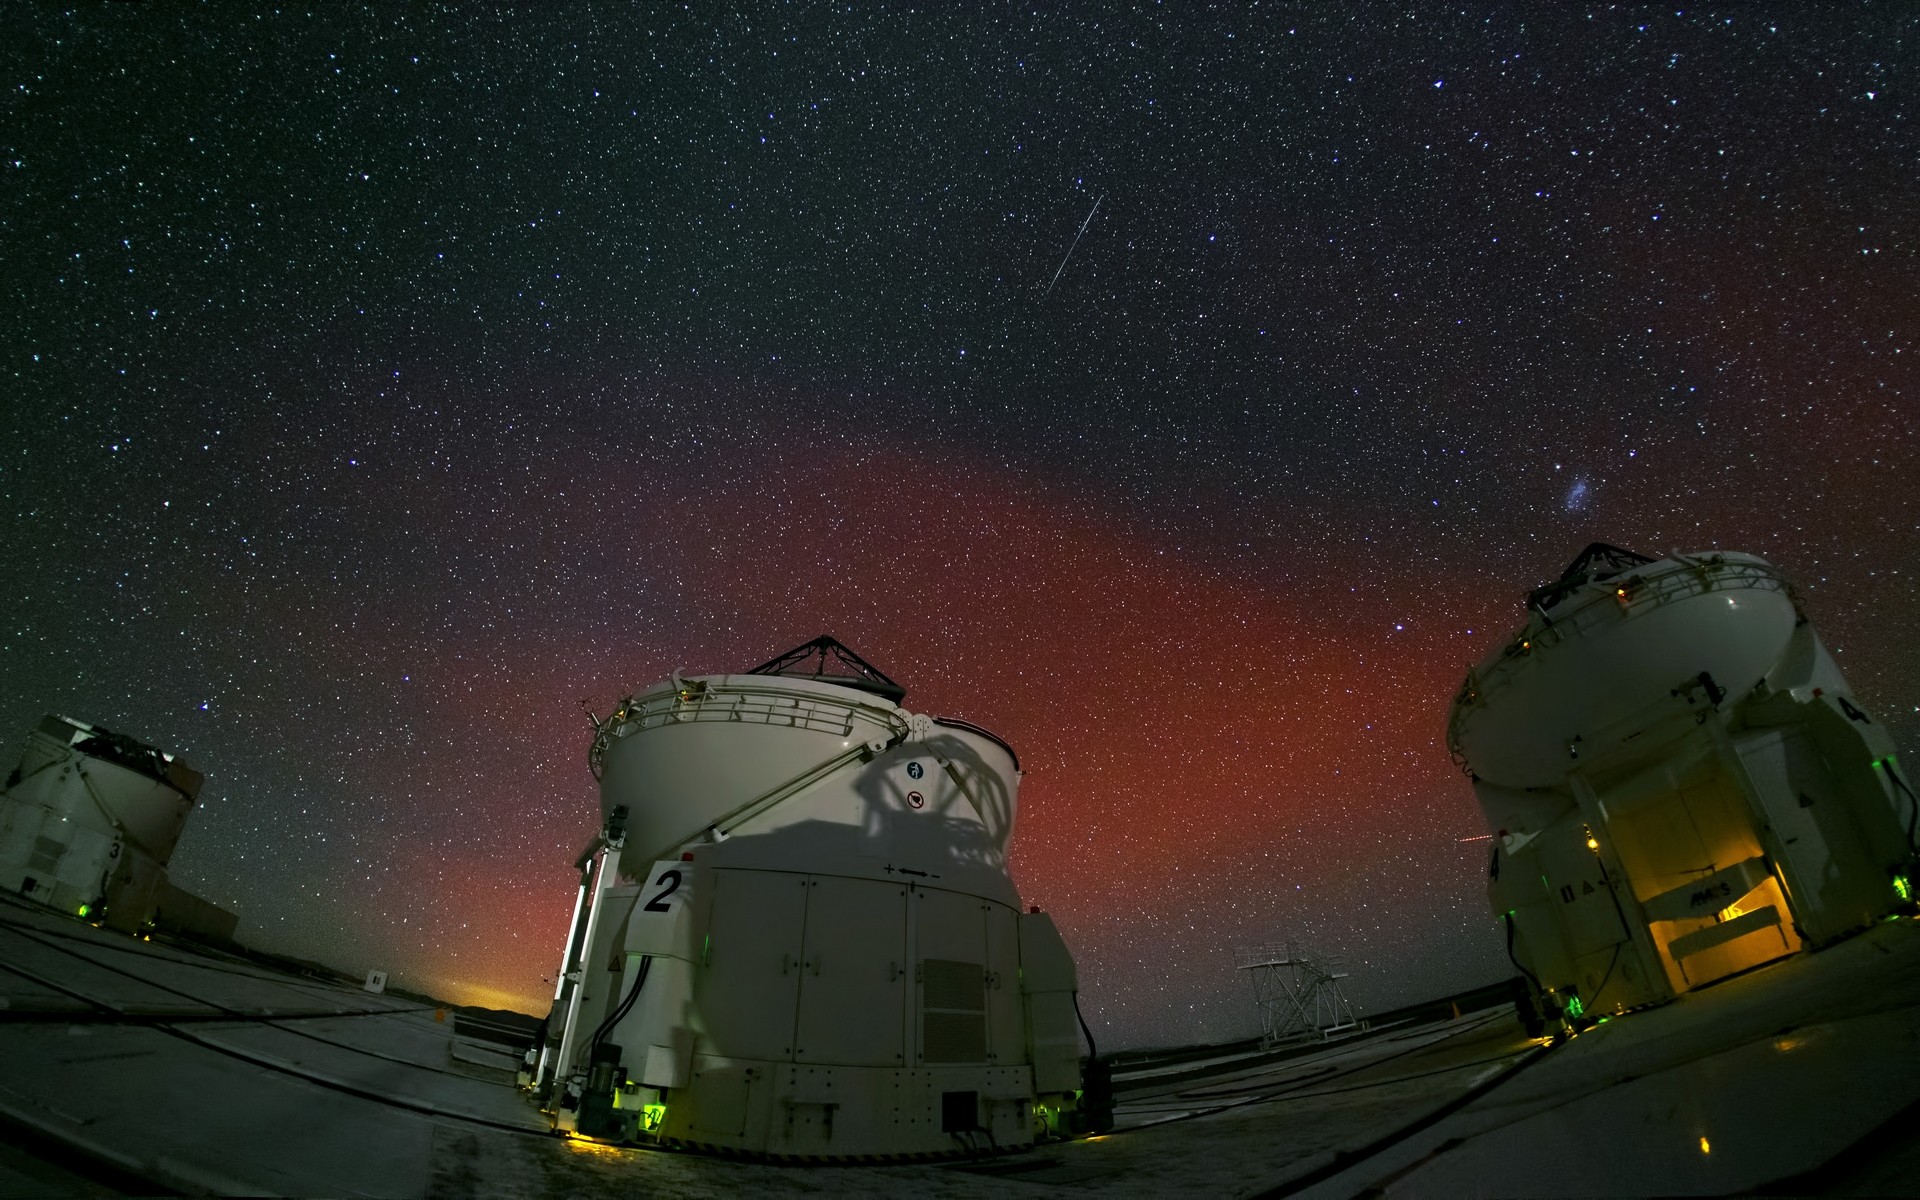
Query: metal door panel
1006	1022
746	995
1834	883
853	974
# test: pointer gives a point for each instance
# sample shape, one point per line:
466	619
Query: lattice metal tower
1298	994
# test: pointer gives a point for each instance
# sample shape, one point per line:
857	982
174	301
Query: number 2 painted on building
669	883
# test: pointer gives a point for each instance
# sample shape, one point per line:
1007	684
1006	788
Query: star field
384	384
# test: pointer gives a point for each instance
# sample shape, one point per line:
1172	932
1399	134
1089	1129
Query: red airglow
1192	739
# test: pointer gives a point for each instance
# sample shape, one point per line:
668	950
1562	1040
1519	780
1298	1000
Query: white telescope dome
1616	633
796	934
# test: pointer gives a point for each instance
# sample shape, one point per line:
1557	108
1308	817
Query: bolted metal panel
854	961
745	1001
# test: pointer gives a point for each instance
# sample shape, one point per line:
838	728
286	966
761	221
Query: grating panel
953	985
953	1037
953	1003
47	853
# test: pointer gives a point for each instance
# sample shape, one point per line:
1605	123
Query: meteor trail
1076	243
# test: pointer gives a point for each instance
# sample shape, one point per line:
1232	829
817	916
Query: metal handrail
701	701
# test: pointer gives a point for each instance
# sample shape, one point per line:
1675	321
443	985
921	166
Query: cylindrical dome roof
732	756
1618	644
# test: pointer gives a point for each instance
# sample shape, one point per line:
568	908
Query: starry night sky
381	385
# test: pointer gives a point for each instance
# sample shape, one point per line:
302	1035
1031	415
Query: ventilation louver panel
953	1011
47	853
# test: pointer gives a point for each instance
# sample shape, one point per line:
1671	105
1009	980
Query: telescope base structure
825	1114
812	1017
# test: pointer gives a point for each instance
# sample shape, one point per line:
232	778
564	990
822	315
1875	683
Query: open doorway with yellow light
1713	904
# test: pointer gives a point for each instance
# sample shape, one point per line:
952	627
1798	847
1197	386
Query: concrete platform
127	1066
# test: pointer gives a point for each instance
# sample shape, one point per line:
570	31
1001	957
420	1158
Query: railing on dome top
737	702
1632	591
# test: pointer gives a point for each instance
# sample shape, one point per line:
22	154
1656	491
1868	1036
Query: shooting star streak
1076	243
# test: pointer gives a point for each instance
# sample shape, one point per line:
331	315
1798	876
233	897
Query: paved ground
129	1066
